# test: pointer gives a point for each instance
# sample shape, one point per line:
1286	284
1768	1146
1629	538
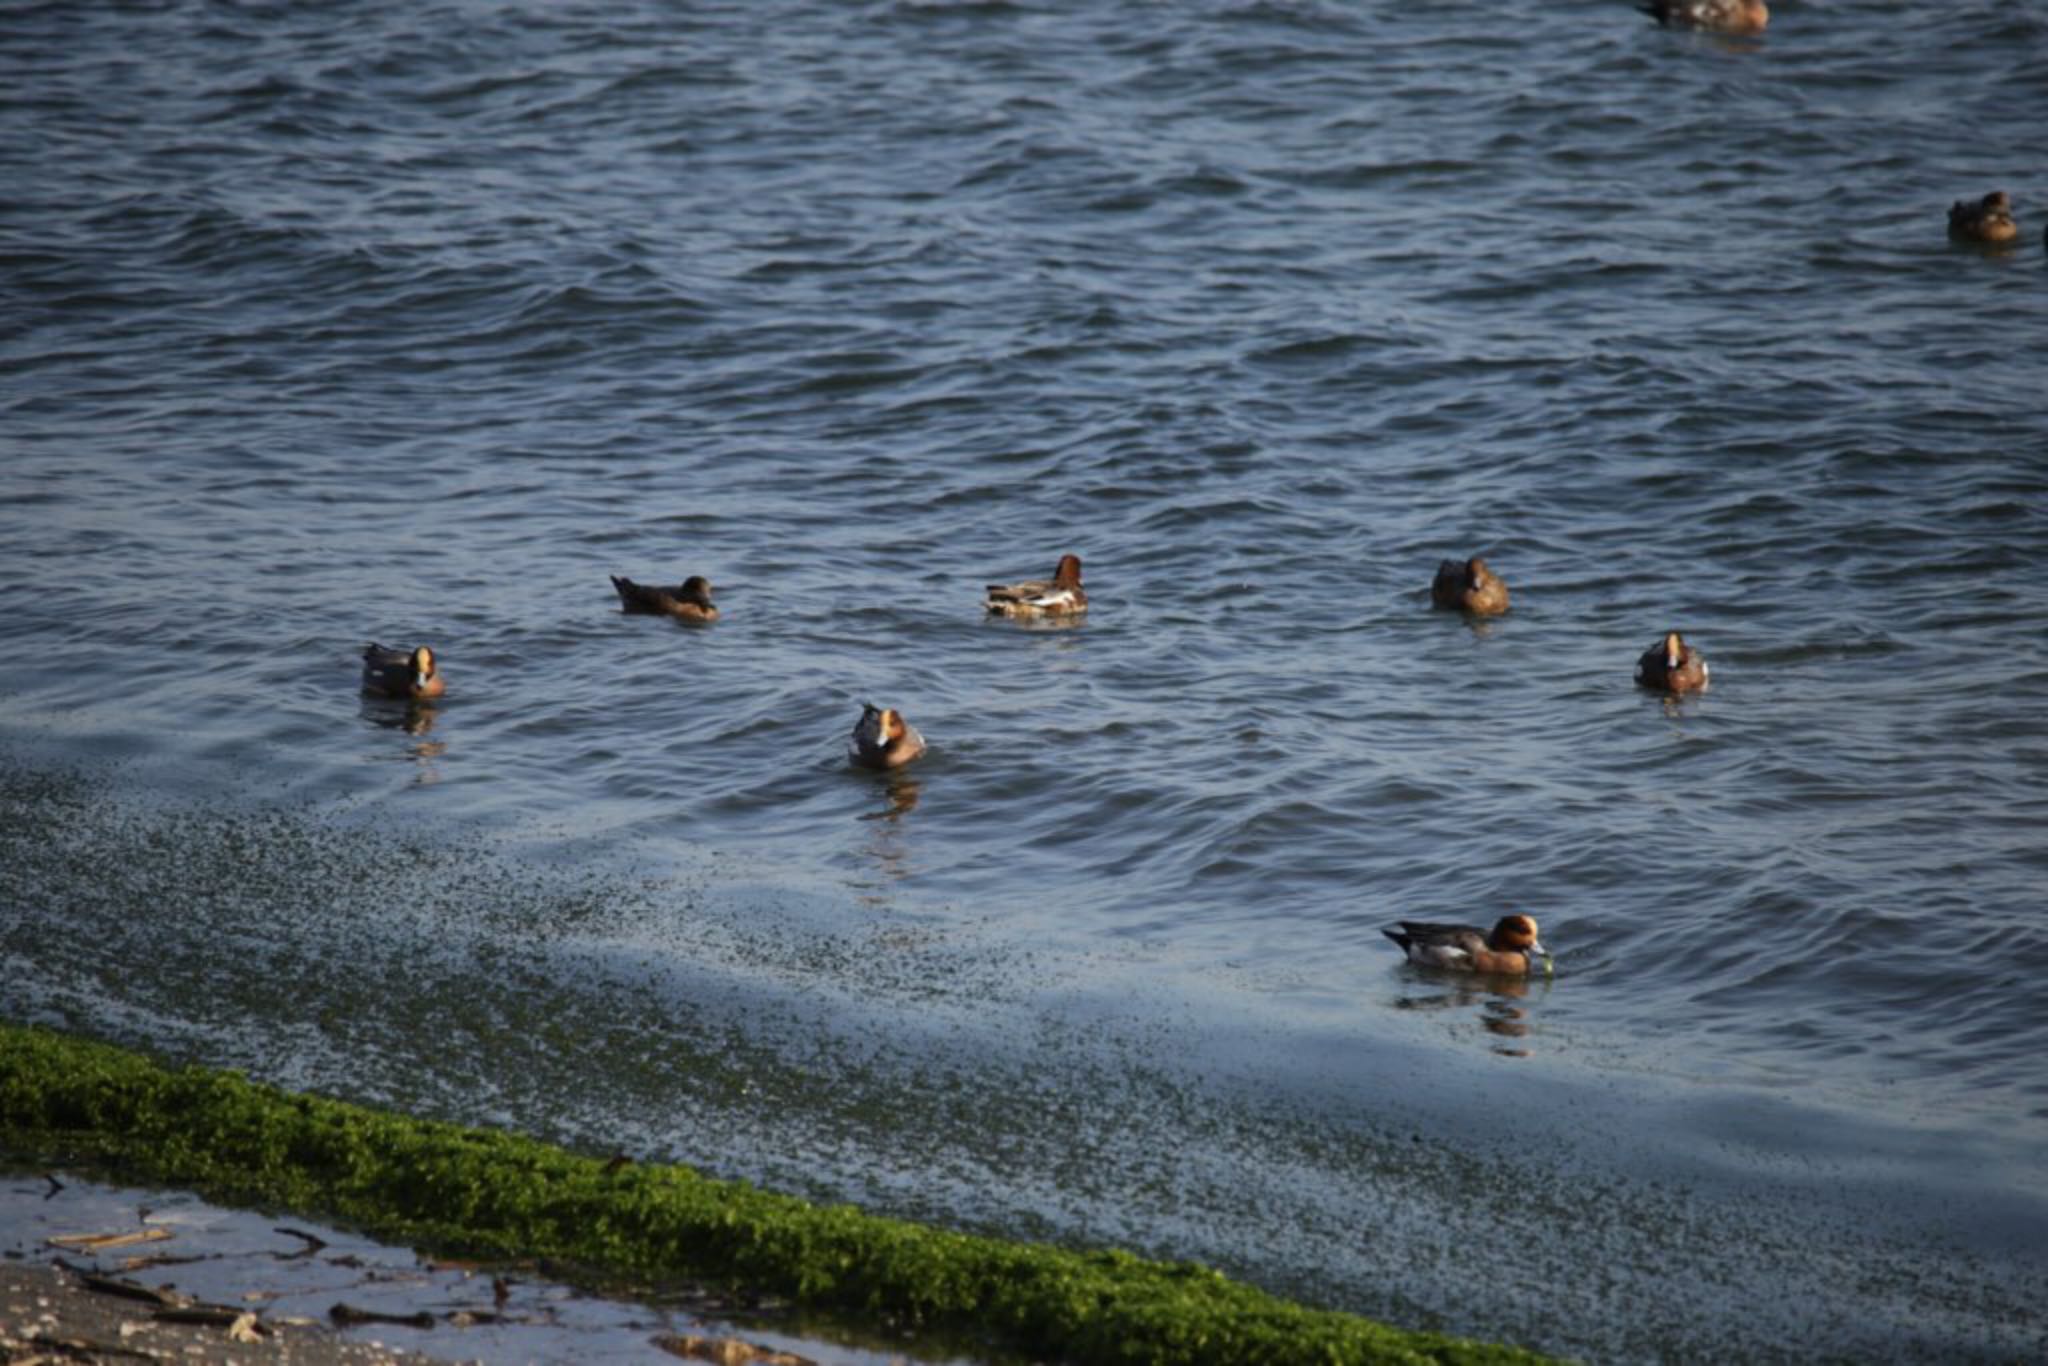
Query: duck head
1517	933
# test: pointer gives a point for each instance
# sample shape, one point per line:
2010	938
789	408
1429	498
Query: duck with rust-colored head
412	675
688	601
1511	950
1059	596
1671	665
1469	587
1988	220
883	739
1717	16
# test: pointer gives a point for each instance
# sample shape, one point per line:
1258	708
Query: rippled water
415	324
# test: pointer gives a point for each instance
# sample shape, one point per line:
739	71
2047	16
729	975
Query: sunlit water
415	325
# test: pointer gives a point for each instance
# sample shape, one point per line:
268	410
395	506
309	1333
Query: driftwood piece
205	1315
99	1242
348	1314
727	1351
127	1290
313	1243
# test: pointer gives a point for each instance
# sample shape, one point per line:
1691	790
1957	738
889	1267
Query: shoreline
476	1192
51	1313
99	1269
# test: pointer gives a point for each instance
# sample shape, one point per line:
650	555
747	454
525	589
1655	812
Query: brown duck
688	601
1718	16
1060	596
1988	220
1671	665
1469	587
1511	949
883	739
411	674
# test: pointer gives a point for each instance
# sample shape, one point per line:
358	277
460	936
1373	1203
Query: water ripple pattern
414	323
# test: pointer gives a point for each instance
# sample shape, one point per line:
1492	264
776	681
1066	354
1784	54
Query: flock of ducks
883	740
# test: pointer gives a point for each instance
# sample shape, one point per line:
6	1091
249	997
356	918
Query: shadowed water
416	327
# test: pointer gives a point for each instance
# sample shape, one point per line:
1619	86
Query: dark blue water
414	323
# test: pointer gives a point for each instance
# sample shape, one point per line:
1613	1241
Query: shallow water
419	326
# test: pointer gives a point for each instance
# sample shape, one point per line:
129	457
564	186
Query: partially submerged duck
1988	220
1469	587
1059	596
408	674
1671	665
688	601
1718	16
883	739
1510	950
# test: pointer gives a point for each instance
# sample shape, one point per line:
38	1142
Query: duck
1510	950
1718	16
1469	587
1061	596
1988	220
883	739
407	674
689	601
1671	665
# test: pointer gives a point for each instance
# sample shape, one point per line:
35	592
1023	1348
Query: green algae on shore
484	1193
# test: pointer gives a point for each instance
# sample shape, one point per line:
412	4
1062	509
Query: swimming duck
1469	587
1671	665
883	739
690	601
1059	597
1721	16
1512	949
413	674
1988	220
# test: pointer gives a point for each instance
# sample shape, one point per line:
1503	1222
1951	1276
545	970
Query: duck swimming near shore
1988	220
1718	16
1059	596
883	739
1510	950
1469	587
688	601
1671	665
412	675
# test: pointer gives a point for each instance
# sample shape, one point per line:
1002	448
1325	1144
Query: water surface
416	326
